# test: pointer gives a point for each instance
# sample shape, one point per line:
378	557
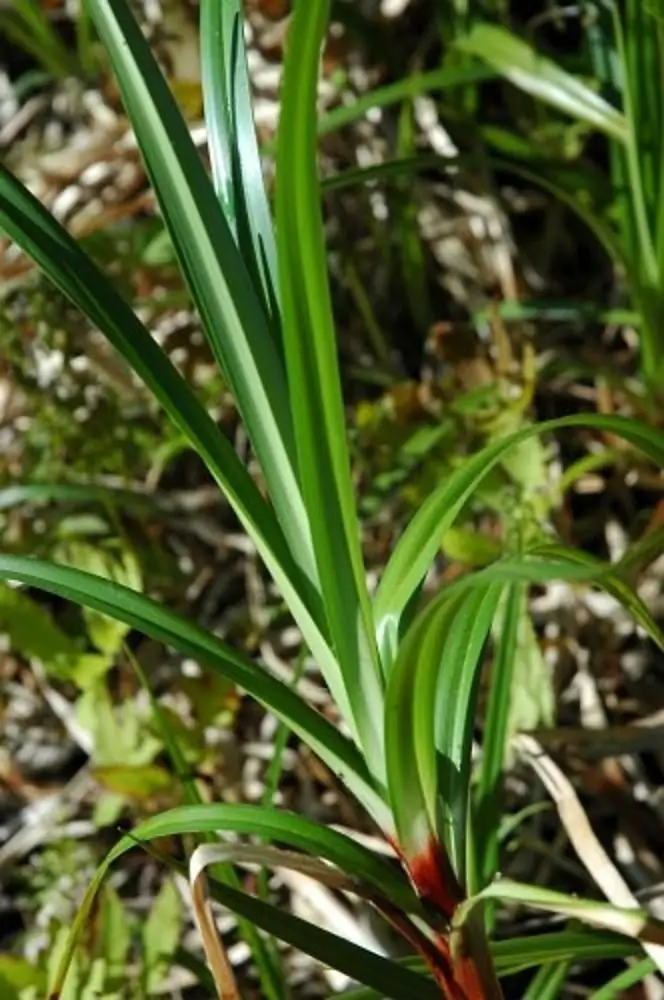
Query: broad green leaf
115	932
136	781
118	733
106	633
165	626
231	311
60	257
9	991
32	631
540	77
34	634
19	974
419	544
532	701
236	163
494	742
313	374
161	934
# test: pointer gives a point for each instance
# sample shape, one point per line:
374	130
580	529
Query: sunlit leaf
539	76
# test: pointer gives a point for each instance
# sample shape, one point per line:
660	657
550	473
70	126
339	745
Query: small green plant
625	48
403	673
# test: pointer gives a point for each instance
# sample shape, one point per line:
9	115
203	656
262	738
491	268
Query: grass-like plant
619	96
403	677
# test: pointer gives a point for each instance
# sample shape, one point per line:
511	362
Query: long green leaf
388	977
235	324
166	626
516	954
455	715
420	542
441	79
236	164
414	801
75	274
495	732
313	373
521	953
77	493
356	962
634	922
547	982
609	581
629	977
286	827
542	78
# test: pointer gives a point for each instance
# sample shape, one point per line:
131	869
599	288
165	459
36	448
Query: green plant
29	25
404	678
625	46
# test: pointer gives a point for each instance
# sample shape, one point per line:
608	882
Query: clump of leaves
404	677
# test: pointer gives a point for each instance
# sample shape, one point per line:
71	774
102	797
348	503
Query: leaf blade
313	373
419	543
166	626
539	76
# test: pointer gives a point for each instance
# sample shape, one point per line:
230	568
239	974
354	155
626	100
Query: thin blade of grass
237	328
166	626
618	986
75	493
441	79
313	373
518	954
29	27
547	982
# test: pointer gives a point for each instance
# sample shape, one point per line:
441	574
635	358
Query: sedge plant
619	96
403	673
